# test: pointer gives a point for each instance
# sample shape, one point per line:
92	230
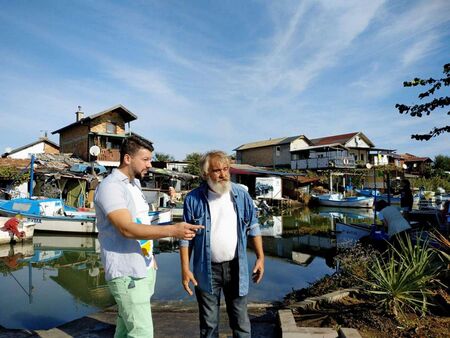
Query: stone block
346	332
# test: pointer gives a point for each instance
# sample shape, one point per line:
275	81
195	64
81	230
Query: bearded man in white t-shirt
220	249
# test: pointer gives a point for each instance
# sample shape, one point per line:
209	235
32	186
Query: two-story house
300	152
268	153
105	130
336	151
415	165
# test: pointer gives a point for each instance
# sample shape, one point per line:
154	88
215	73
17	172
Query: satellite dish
94	150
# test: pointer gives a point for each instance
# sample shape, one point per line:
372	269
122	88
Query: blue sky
206	75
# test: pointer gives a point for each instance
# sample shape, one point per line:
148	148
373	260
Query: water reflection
56	279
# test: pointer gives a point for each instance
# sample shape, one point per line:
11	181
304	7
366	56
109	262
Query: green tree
163	157
418	110
193	167
442	162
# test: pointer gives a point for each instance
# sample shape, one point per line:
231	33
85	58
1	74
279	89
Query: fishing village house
106	130
335	154
300	152
17	160
52	173
66	170
96	139
42	146
414	165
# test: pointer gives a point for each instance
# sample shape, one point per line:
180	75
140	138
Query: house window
362	157
111	128
278	150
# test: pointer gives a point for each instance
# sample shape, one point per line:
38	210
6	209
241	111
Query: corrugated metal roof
321	141
269	142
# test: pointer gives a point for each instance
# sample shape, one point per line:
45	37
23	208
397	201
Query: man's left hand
258	270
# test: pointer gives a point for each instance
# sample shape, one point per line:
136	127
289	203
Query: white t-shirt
142	217
223	227
395	221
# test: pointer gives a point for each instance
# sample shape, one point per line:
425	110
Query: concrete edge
289	328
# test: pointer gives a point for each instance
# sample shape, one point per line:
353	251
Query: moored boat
338	200
49	215
393	199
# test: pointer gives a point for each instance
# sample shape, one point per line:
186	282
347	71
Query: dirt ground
361	312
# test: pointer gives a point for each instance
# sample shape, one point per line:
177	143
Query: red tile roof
412	158
342	139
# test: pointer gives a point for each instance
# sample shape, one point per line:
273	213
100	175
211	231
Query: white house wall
26	153
357	142
298	144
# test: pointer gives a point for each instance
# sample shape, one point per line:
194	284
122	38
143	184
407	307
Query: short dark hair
131	145
406	183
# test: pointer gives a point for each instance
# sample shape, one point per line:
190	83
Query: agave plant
444	243
403	281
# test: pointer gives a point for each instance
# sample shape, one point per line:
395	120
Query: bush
431	184
404	279
354	262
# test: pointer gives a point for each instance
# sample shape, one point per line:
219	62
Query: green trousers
132	296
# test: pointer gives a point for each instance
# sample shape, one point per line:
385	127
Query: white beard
220	188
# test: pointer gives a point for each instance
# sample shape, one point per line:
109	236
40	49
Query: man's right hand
185	230
186	277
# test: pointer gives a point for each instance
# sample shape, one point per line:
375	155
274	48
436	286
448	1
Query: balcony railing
112	155
324	163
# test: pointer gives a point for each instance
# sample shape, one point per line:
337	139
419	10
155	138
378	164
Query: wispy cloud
226	73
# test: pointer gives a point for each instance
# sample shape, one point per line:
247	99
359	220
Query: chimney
79	114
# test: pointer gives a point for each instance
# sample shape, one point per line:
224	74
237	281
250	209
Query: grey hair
206	159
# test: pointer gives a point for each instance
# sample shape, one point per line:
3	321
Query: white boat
51	214
22	231
338	200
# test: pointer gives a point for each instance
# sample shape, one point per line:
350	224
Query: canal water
56	279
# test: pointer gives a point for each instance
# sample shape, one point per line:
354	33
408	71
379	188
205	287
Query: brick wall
99	124
258	156
49	149
75	140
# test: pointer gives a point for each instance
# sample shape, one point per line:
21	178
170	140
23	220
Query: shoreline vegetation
402	291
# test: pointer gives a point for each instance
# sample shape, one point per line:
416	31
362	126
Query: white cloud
419	50
314	68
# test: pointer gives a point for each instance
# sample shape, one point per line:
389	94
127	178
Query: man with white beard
220	257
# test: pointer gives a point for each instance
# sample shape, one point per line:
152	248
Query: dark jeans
225	276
